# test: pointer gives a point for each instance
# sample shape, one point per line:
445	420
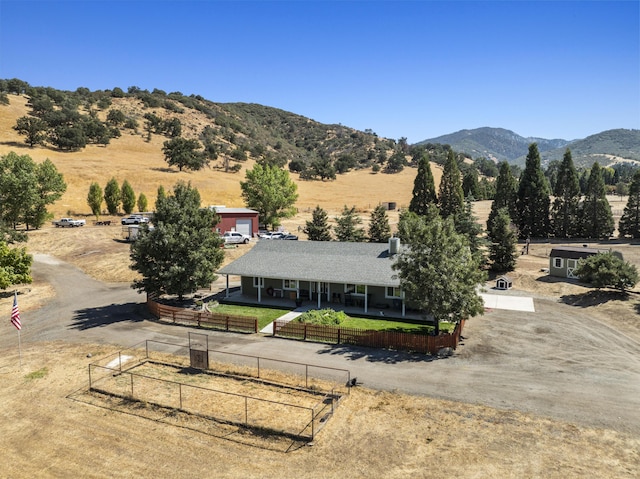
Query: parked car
233	237
70	222
135	220
273	235
287	237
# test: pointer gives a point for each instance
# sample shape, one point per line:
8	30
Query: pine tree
182	252
379	229
94	199
502	251
629	224
470	186
533	198
451	197
424	188
467	224
567	199
506	194
318	228
142	202
346	228
594	216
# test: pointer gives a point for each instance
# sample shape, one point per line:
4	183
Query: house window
355	288
393	292
258	282
289	284
557	262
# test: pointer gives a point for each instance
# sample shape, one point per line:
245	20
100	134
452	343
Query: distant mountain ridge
500	144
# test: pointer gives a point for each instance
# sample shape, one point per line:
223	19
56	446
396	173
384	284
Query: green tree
607	270
379	229
94	199
629	224
438	273
451	197
271	192
502	250
112	196
467	224
142	202
182	252
347	226
506	194
128	197
470	186
533	198
184	153
50	187
34	129
18	188
424	188
564	213
15	266
594	216
318	228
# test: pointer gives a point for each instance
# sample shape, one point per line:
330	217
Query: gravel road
557	362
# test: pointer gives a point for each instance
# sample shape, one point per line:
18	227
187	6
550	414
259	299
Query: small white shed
504	282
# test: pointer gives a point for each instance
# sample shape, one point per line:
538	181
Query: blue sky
414	69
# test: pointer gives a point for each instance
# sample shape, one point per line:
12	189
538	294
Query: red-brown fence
226	322
419	343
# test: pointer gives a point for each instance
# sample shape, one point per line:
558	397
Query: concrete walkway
511	303
268	329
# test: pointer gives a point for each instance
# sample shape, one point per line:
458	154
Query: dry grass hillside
142	163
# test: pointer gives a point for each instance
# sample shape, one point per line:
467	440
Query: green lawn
264	315
391	325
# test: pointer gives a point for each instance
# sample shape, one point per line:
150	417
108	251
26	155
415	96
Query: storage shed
504	282
563	260
242	220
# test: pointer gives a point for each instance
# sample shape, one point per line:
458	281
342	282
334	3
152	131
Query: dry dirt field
48	432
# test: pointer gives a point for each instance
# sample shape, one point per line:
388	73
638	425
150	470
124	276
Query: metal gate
199	350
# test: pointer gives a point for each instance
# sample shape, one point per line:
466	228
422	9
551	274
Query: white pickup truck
64	222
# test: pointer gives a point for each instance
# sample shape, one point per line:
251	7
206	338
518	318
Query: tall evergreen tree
564	213
533	198
379	229
424	188
451	197
180	254
142	202
470	186
347	226
467	224
506	194
318	228
112	196
629	224
594	216
502	251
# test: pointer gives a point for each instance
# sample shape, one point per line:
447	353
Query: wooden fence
419	343
226	322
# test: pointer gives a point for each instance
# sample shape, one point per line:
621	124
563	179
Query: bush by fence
418	343
226	322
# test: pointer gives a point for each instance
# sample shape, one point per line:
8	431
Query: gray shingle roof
326	261
574	252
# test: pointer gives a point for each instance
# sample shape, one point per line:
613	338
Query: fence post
120	361
339	330
180	392
89	376
131	376
246	411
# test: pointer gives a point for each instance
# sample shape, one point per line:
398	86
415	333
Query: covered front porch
303	300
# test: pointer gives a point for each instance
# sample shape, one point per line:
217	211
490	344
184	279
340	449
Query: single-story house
352	274
242	220
563	260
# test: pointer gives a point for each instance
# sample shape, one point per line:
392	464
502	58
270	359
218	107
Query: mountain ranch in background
237	136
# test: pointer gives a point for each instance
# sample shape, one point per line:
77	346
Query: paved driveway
553	362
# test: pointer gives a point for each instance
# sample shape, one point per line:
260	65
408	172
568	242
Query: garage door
244	227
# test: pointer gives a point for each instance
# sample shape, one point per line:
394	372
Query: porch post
403	305
226	295
318	292
259	290
366	298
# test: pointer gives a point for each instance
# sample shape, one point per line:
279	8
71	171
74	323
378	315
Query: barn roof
325	261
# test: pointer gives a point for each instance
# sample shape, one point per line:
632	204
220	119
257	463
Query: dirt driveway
560	362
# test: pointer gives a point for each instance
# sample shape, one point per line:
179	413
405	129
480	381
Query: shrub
322	316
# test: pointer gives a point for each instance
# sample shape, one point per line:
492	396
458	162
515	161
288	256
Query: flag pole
15	320
20	348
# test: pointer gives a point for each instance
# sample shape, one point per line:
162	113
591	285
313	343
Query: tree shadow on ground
378	355
165	170
106	315
593	298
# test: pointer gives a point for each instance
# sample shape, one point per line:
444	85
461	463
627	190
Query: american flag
15	313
